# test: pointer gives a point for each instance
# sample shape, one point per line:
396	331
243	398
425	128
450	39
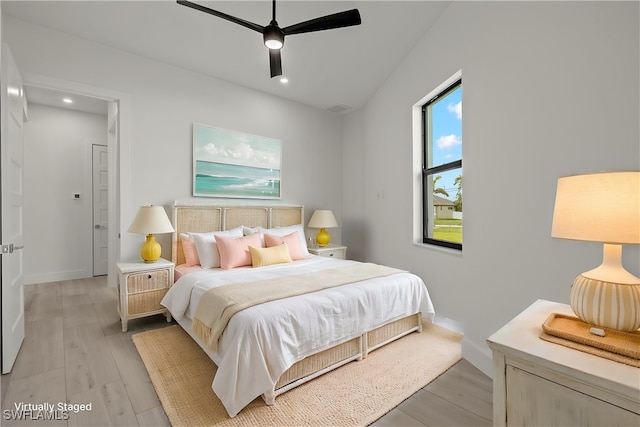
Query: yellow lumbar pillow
267	256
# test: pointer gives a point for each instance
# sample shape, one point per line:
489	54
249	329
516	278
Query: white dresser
539	383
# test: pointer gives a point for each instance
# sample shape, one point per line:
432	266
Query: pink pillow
292	240
189	249
234	252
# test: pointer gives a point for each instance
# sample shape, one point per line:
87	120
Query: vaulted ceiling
340	67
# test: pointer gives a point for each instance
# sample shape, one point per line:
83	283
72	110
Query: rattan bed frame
199	219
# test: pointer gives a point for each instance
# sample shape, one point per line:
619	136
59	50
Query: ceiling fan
273	35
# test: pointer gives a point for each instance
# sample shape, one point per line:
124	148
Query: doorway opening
100	219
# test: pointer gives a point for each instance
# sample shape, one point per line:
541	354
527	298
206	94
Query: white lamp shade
599	207
151	220
323	218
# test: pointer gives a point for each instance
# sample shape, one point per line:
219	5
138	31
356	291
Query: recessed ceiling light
67	100
284	80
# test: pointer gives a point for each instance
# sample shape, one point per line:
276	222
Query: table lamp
602	207
323	219
151	220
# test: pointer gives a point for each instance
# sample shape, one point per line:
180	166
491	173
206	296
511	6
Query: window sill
438	248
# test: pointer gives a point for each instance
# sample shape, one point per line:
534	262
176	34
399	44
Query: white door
100	210
11	146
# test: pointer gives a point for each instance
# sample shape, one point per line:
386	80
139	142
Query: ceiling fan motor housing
273	36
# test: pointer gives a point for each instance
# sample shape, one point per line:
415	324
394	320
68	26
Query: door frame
94	195
119	158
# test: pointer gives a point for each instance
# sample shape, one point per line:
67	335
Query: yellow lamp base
323	238
150	250
606	304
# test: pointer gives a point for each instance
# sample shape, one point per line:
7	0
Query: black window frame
427	172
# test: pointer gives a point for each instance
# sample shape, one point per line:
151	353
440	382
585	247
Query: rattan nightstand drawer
146	302
148	281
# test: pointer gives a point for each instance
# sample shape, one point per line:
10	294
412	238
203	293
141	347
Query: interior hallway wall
58	164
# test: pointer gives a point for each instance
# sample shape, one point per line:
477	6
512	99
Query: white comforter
262	342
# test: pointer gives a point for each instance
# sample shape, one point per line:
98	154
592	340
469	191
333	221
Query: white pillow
281	231
208	249
252	230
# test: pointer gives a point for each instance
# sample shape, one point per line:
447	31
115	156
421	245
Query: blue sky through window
446	116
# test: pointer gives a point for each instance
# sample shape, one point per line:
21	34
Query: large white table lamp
602	207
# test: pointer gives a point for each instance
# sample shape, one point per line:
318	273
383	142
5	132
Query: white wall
353	195
58	227
549	89
165	102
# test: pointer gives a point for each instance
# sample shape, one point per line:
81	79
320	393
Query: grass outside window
448	229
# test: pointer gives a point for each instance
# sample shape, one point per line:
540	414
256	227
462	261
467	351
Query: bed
273	347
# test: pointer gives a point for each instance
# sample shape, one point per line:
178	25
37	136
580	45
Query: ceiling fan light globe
273	36
273	44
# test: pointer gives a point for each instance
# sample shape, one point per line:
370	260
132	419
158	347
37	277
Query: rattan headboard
201	219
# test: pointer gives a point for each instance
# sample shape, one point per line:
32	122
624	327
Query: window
441	121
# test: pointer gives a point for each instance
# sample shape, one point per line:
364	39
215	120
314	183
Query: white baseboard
478	356
56	276
447	323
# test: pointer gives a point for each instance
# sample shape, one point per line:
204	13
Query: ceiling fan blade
329	22
250	25
275	62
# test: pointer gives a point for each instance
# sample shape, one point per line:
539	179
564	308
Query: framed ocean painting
227	163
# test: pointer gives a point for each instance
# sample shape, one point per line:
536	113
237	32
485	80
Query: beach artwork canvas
234	164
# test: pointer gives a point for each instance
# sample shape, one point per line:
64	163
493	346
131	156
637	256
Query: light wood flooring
75	352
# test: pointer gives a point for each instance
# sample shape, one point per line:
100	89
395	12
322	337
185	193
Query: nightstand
331	251
141	287
536	382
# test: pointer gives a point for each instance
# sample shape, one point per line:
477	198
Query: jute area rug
355	394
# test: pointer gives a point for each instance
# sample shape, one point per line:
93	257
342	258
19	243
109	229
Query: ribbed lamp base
323	238
150	250
606	304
